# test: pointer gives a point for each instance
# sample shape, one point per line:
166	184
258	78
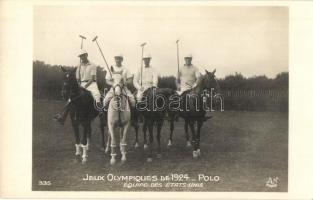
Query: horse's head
208	81
118	83
69	82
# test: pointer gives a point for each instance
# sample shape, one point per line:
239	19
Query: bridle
123	93
72	96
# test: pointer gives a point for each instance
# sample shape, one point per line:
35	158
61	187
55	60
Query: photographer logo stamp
272	182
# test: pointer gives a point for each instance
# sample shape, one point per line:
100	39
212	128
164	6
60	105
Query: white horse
118	118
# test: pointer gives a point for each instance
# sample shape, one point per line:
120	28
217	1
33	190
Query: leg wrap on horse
123	148
85	151
78	149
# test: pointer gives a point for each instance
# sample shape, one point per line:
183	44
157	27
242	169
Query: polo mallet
95	40
142	47
82	41
81	47
177	60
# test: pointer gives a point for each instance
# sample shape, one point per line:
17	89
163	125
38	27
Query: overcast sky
250	40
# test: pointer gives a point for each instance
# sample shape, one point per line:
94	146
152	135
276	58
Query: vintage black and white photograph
160	98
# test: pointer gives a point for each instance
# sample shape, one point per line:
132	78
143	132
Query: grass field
243	148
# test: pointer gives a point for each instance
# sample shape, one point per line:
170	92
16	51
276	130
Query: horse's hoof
159	155
169	143
123	159
84	161
112	161
145	146
136	145
188	144
149	159
195	154
199	152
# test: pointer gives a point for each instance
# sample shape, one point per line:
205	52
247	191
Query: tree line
258	93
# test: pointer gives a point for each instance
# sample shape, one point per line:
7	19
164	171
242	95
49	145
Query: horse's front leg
107	148
191	124
199	126
150	129
123	142
170	140
144	131
77	139
159	127
135	125
87	132
112	130
102	125
188	143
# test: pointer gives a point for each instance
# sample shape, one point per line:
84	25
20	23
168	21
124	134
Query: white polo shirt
188	76
122	70
149	78
85	72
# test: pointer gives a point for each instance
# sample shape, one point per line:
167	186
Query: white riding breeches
93	88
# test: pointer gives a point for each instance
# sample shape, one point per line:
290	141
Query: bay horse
82	112
191	109
119	119
153	108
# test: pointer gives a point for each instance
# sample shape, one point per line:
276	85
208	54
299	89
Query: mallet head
94	39
143	44
83	37
177	41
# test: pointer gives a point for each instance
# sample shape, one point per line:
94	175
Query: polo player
188	78
119	69
86	75
146	80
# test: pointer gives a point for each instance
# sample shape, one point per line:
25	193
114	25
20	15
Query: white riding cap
147	56
188	56
119	56
82	52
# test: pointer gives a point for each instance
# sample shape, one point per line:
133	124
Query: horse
153	108
82	111
191	109
119	119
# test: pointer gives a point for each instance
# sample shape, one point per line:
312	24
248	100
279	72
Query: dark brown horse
82	111
153	108
192	109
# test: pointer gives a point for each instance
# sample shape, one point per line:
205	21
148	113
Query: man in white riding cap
146	80
86	75
119	69
188	76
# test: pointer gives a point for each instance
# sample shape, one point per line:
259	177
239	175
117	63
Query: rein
123	93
